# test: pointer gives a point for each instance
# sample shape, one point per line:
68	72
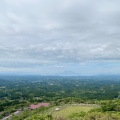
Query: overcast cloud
53	36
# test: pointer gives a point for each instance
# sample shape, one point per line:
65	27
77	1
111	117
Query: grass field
66	111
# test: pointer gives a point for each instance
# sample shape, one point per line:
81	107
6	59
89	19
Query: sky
60	37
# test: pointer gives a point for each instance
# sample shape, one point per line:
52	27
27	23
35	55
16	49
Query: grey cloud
64	53
64	31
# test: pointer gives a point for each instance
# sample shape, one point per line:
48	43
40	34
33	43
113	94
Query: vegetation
17	93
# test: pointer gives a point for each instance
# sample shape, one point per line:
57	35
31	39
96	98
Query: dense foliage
17	92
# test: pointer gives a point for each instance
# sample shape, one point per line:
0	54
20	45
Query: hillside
18	92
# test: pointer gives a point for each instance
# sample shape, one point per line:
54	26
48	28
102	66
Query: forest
18	92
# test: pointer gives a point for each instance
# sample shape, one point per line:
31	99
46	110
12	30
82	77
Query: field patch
65	111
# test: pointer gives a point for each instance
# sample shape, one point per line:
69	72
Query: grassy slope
65	112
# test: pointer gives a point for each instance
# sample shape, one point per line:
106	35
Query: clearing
66	110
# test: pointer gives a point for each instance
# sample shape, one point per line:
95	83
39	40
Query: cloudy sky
50	37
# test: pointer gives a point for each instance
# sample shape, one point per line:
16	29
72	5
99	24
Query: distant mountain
68	73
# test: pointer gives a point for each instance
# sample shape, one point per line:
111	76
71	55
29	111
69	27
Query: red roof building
33	106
